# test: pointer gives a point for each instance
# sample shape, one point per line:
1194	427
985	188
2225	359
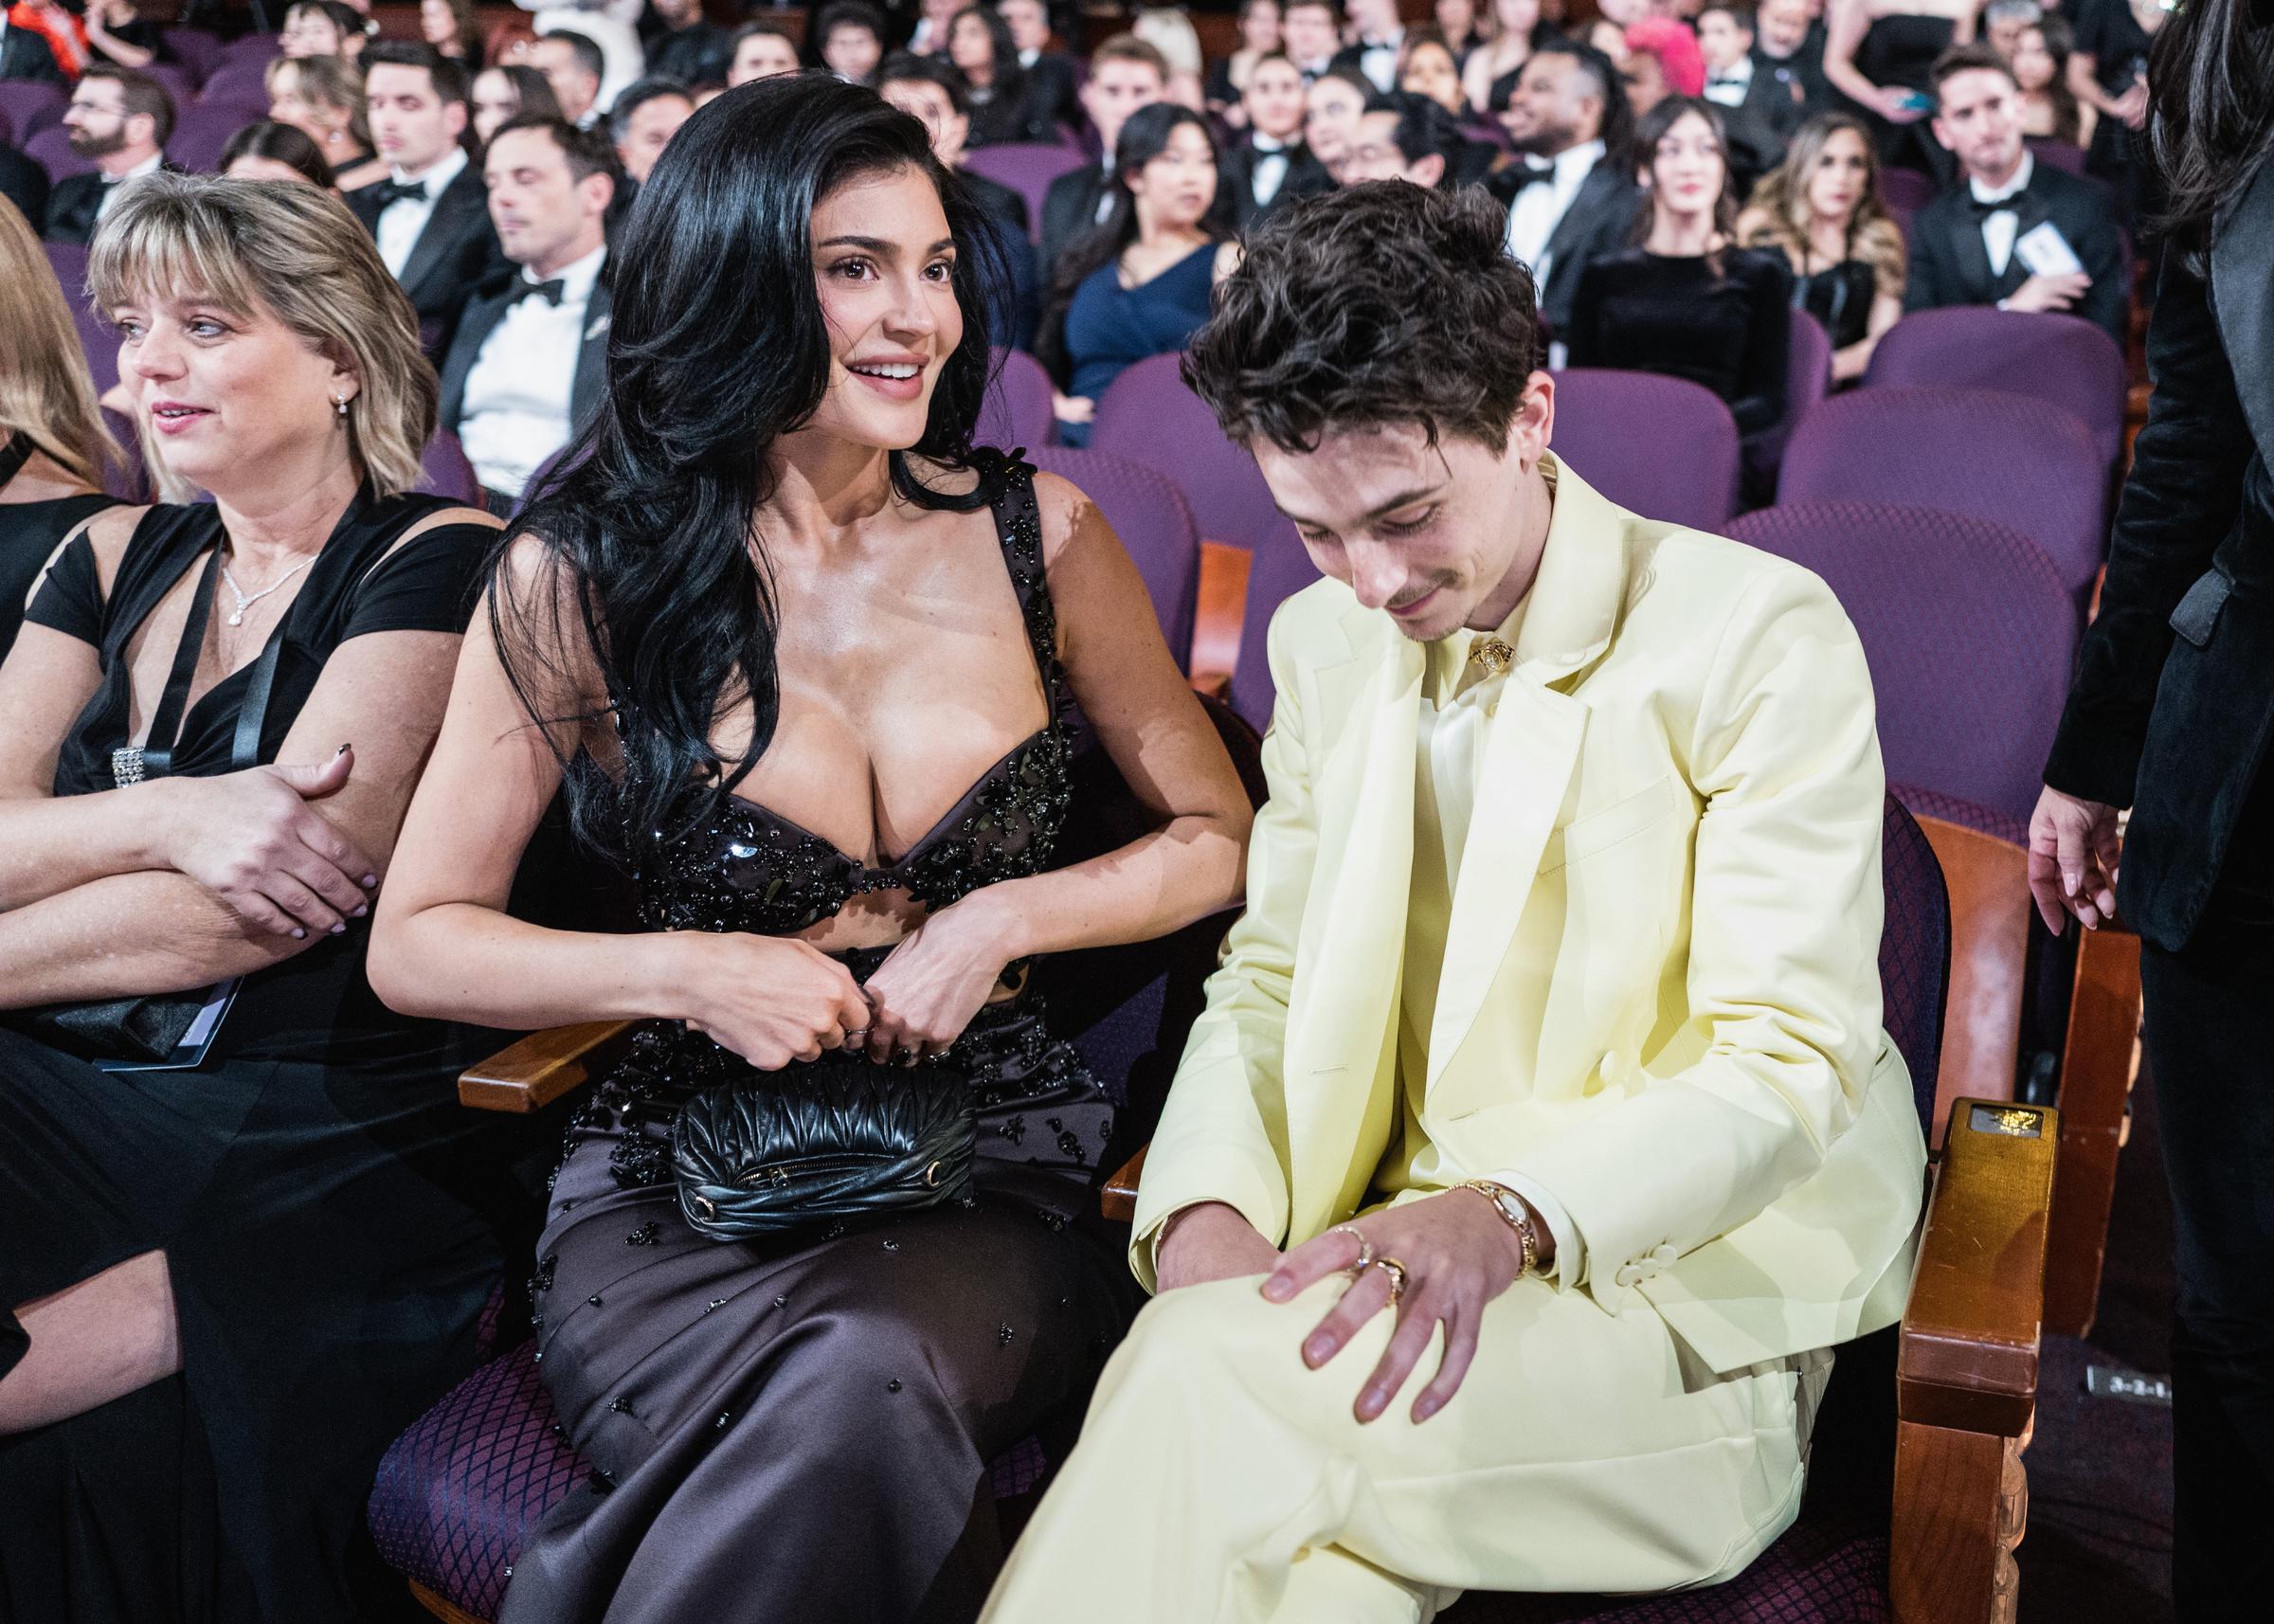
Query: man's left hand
1458	1254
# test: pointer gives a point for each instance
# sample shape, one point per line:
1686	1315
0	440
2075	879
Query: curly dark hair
1386	302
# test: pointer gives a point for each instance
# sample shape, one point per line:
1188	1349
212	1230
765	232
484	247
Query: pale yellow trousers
1220	1481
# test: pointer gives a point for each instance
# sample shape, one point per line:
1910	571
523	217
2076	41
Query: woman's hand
1210	1241
1071	409
929	988
770	1000
1898	105
252	840
2073	853
1458	1254
2131	106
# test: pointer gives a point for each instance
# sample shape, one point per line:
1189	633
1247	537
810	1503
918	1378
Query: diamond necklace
244	601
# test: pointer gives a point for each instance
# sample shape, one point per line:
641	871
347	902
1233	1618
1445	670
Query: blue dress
1110	326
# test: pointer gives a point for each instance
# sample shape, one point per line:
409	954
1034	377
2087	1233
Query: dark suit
1069	211
1014	317
2170	715
74	204
1773	100
455	254
698	54
26	55
480	319
1596	223
23	184
1950	264
1306	177
1804	68
1049	82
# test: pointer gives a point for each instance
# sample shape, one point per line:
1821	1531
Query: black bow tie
393	191
2010	204
549	292
1529	175
1713	80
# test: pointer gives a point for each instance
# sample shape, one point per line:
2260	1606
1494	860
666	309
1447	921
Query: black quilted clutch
819	1143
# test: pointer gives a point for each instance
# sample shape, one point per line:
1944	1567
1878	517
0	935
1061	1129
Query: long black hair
2211	121
1007	83
1145	137
651	524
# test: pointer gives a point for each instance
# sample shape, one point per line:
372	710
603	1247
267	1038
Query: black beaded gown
801	1430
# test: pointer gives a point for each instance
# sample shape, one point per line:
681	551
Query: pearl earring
340	402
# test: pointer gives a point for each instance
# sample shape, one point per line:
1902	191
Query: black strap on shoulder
14	455
252	711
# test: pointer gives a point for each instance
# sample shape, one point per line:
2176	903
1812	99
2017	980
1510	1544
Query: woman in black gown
1821	208
1880	55
808	660
224	1288
52	441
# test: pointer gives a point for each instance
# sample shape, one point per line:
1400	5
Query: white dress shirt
1270	172
400	221
1378	60
1728	87
112	183
1998	229
516	408
1540	206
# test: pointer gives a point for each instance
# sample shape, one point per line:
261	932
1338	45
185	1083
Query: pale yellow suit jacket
1660	998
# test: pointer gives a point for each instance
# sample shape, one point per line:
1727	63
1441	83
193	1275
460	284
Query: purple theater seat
256	49
1662	447
1970	633
127	480
198	50
1016	410
204	130
1027	168
29	107
2063	359
51	150
69	263
1149	416
240	84
2017	462
1905	192
445	472
1150	514
97	337
1276	571
177	81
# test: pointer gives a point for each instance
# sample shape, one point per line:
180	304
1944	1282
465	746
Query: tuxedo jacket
1306	177
456	254
1950	264
25	55
481	318
2173	700
1069	210
1770	99
1804	67
1597	223
1660	998
72	203
1051	85
23	184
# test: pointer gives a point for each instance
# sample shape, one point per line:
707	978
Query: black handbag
827	1142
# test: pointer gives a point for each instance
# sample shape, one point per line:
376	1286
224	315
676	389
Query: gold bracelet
1513	1211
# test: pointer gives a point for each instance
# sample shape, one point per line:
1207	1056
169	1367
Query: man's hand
1211	1241
1458	1254
2048	293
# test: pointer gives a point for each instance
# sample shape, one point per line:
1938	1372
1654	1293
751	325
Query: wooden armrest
1989	884
1216	684
531	1074
1219	613
1967	1358
1118	1199
2100	1056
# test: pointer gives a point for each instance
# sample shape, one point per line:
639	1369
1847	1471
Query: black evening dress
329	1214
29	533
1727	328
2111	35
1898	52
802	1429
1839	296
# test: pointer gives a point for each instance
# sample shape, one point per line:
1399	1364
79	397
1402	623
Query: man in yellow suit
1540	1138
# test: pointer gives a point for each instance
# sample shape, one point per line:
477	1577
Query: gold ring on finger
1365	1249
1395	1270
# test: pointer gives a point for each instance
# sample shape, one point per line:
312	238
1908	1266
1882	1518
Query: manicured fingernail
2071	880
298	934
1275	1289
339	929
361	908
370	880
1425	1409
1317	1348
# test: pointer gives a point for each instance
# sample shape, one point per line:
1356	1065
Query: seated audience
680	45
1332	108
120	120
2003	21
428	216
1404	137
762	50
644	120
270	150
1002	109
1125	74
1227	83
1571	194
1880	55
2108	70
525	369
930	35
852	39
574	65
1269	166
801	1386
1463	25
24	183
117	30
2049	108
512	91
1431	69
53	446
1739	82
42	42
1686	301
1788	43
450	27
1821	208
1312	32
2014	232
1051	79
1137	285
1488	79
322	28
323	95
233	1287
1377	41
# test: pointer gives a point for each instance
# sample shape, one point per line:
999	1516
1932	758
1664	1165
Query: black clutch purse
823	1142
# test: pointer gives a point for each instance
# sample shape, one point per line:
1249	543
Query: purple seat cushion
1150	514
1027	168
1662	447
1149	416
1017	411
1276	571
206	129
51	150
2063	359
27	106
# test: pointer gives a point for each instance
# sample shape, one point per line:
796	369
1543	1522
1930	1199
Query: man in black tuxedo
2014	232
1788	43
1269	166
429	215
1125	74
1571	196
1380	43
1050	77
527	366
23	184
681	46
122	121
1739	83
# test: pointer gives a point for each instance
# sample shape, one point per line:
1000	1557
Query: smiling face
1841	177
1688	171
226	391
1175	186
1274	98
1978	119
1555	105
884	267
287	105
761	55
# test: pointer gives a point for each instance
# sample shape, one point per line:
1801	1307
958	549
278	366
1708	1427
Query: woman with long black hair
805	659
2171	715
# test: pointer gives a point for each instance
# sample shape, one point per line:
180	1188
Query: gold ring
1395	1270
1365	1249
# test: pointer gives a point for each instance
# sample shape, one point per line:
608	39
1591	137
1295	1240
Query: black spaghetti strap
1018	528
14	455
